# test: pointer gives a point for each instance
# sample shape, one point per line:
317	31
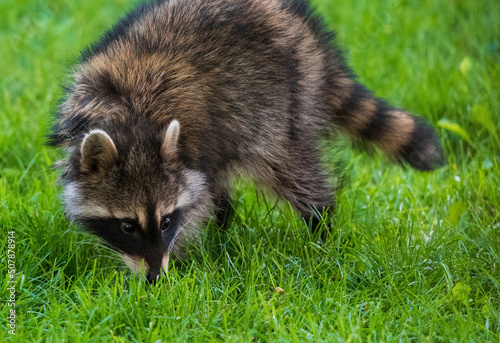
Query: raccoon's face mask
126	192
144	250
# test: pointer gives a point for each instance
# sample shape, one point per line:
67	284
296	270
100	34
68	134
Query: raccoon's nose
154	275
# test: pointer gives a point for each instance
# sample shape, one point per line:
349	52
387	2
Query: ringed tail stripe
398	133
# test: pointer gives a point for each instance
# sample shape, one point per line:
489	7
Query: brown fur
253	85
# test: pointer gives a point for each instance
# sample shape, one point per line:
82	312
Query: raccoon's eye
165	223
127	228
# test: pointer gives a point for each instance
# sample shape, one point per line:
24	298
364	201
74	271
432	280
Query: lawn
411	256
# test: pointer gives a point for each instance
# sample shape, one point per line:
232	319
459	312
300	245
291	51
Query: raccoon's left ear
169	146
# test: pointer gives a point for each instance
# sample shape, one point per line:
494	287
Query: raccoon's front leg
223	211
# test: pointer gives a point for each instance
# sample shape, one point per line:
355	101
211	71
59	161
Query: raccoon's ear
98	152
169	146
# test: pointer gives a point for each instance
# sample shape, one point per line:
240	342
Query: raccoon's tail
398	133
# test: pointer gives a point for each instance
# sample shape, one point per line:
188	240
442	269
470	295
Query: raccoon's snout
154	275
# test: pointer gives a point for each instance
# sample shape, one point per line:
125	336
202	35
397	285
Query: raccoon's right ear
98	152
169	146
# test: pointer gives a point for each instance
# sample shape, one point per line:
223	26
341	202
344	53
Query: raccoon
180	96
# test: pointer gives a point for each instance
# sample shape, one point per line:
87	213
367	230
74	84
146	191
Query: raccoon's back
256	55
247	71
248	78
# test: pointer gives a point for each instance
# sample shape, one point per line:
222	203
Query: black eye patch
112	231
174	220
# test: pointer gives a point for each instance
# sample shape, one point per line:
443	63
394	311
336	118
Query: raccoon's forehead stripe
91	211
96	211
76	208
142	218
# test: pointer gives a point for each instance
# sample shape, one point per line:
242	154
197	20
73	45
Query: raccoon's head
129	188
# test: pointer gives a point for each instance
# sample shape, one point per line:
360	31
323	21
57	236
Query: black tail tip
424	151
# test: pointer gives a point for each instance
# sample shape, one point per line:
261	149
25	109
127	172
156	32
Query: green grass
412	256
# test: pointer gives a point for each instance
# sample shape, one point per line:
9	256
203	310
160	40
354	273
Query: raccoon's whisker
171	245
107	245
181	228
108	257
112	253
94	240
116	267
104	244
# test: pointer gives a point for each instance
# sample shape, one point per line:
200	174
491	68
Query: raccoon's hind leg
304	184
